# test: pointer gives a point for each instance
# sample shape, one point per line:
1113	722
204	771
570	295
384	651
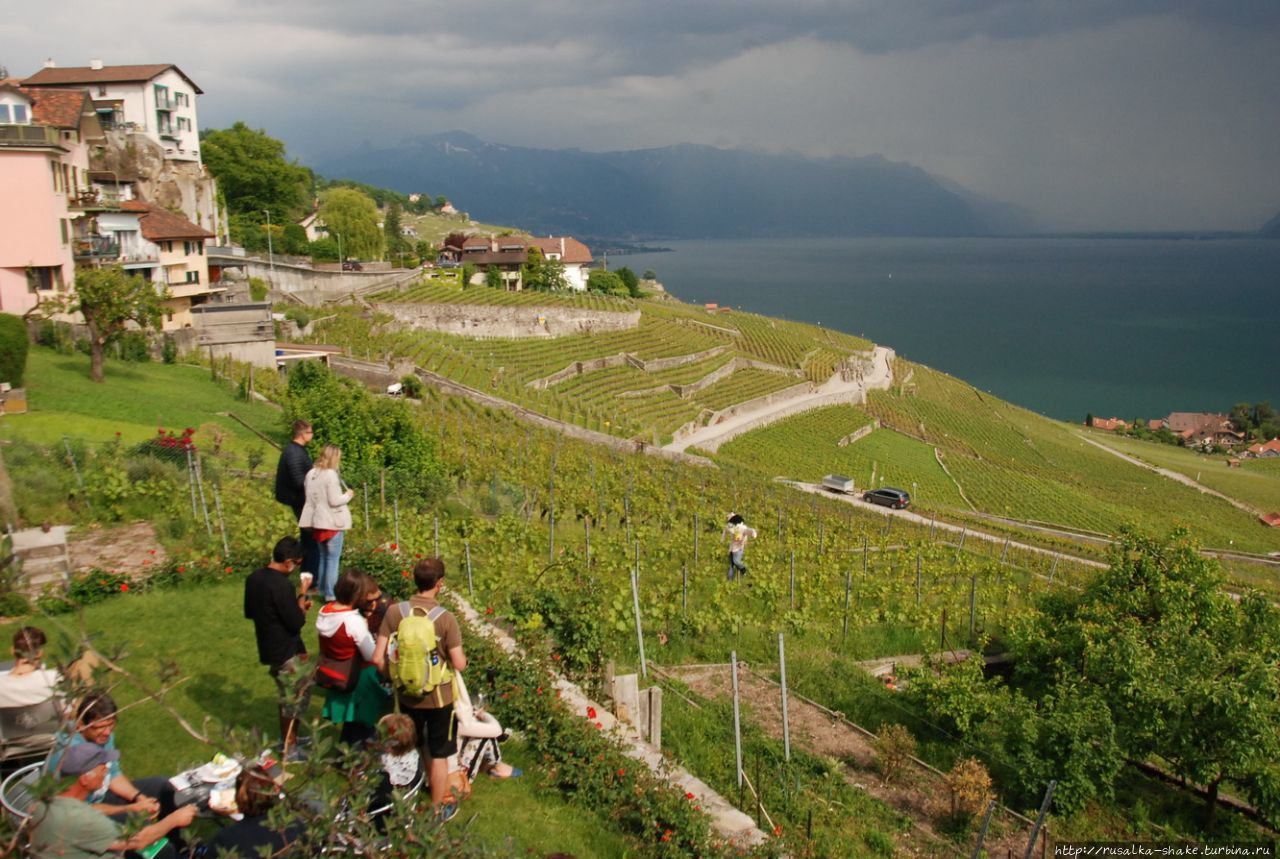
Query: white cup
305	578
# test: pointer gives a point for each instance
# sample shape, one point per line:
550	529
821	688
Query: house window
14	114
193	277
62	222
44	277
180	98
102	89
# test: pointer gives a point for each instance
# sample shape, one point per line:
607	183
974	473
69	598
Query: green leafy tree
254	175
323	249
353	215
493	277
109	300
1189	674
13	349
632	282
293	239
424	250
396	243
465	274
607	282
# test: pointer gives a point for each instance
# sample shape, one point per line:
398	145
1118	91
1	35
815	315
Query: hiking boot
446	812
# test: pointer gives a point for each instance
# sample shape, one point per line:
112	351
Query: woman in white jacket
327	515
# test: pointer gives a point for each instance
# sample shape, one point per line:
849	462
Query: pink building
44	167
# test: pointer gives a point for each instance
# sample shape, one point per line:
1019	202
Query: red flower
555	657
227	570
181	569
591	712
599	726
404	573
488	609
152	552
777	830
688	795
124	588
666	836
145	562
621	773
395	547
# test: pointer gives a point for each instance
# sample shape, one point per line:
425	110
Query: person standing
326	516
291	476
432	714
346	639
738	533
279	615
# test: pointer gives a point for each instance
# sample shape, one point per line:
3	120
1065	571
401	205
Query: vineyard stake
695	538
366	507
964	533
436	535
848	586
786	724
917	581
933	521
684	589
222	525
821	536
1044	809
982	833
191	478
586	527
942	632
793	582
204	504
1053	569
551	534
395	513
471	588
737	724
973	602
864	556
637	560
635	603
1005	551
779	524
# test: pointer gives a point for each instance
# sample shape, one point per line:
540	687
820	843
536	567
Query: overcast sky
1092	114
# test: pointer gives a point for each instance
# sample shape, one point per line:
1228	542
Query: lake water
1062	326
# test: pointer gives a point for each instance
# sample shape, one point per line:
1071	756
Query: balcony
95	247
29	135
94	199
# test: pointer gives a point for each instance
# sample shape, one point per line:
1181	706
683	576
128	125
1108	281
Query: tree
607	282
294	239
254	174
353	215
1188	673
109	300
493	277
13	349
632	282
391	229
323	249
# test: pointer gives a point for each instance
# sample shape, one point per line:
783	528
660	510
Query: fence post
1044	809
191	484
982	832
684	589
917	581
586	527
222	525
695	538
786	722
76	468
973	603
204	504
793	579
822	533
1054	569
395	513
471	588
635	603
737	724
848	586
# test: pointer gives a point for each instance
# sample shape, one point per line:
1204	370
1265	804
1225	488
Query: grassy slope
135	400
1253	482
204	633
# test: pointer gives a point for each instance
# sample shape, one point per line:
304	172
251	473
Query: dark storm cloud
1093	113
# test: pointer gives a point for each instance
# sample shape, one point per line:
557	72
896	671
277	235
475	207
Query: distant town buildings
1196	429
508	254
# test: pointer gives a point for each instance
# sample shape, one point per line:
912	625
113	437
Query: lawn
202	633
134	401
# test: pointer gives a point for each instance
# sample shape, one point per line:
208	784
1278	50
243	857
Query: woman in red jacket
343	627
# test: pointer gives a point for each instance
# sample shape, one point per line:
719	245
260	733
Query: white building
156	99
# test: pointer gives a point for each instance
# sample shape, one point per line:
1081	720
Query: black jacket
272	605
291	475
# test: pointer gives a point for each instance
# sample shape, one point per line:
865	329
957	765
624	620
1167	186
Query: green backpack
416	667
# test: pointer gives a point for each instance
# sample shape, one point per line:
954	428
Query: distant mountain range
1271	229
682	191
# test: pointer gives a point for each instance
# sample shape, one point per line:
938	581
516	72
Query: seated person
28	682
479	736
256	794
70	826
401	762
118	795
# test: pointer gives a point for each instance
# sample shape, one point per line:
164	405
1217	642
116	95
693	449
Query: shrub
135	346
298	316
257	289
894	747
14	604
411	386
969	788
169	351
13	349
877	842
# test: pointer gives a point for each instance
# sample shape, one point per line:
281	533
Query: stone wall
859	434
578	368
486	320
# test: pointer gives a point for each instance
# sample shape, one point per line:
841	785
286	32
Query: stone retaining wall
859	434
653	365
489	320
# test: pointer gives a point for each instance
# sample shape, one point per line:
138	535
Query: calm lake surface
1062	326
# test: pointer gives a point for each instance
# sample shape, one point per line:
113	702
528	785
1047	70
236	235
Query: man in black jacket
279	615
291	476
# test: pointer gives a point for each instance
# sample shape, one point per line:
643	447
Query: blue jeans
736	567
327	569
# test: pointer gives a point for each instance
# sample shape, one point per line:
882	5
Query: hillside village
572	440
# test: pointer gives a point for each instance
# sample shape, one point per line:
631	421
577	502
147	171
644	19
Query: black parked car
898	499
352	265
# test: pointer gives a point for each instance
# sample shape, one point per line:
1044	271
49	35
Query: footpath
834	391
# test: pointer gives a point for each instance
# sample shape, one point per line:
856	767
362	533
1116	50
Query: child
400	760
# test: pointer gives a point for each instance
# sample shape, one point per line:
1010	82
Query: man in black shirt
291	476
279	615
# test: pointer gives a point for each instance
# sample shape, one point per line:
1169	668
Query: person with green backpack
420	645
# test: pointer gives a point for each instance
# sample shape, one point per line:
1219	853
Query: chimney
95	64
49	63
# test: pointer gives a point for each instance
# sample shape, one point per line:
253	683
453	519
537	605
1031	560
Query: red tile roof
104	75
60	108
570	249
159	224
